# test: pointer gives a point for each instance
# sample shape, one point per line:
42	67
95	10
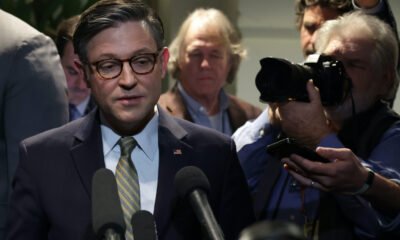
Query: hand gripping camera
280	80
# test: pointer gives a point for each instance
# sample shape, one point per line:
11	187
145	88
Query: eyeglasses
140	64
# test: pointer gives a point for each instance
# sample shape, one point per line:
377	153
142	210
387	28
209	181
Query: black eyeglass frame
121	62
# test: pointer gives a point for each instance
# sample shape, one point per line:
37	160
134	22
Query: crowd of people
95	101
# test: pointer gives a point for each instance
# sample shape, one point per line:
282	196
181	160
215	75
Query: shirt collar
82	106
196	107
147	139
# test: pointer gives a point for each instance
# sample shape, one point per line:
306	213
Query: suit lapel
87	151
237	116
174	154
173	102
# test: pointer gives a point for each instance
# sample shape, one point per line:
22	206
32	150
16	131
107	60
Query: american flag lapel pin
177	151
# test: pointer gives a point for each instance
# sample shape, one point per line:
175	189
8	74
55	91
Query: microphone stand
204	214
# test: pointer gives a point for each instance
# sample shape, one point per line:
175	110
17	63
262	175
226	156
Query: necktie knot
127	144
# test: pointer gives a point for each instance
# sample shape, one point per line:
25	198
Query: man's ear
82	71
164	61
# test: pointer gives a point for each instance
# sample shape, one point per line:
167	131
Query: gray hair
217	21
384	54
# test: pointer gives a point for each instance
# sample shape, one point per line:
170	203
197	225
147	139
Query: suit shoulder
55	135
203	134
243	104
250	110
173	103
168	98
17	30
167	95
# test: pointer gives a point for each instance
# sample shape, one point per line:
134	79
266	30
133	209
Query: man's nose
128	76
205	62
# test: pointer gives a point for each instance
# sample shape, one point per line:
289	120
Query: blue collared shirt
288	202
219	121
82	106
145	157
251	130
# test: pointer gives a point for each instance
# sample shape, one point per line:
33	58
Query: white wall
268	30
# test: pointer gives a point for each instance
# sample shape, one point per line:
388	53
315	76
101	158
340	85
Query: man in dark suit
79	97
121	51
32	94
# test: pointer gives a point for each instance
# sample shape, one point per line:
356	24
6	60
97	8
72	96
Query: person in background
310	15
32	94
80	100
367	48
120	44
205	56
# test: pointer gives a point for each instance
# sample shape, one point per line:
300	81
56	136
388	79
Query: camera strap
364	131
384	119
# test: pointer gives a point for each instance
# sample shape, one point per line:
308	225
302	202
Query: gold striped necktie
128	183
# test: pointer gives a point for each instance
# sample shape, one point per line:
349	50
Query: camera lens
280	80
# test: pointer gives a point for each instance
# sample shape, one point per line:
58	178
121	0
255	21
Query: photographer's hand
306	122
343	174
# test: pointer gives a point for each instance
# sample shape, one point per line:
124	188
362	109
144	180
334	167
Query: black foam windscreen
189	178
143	226
106	206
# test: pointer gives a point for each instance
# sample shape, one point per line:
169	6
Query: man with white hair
363	122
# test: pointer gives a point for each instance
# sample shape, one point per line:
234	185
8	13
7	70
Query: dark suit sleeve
33	94
36	97
26	218
236	211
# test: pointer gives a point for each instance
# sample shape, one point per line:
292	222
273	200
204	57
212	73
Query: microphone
192	183
107	215
144	226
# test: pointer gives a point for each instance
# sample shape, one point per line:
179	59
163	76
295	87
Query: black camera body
280	80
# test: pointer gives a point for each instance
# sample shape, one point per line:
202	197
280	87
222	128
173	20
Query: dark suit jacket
32	94
239	111
52	186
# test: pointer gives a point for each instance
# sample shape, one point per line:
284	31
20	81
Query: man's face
204	64
77	88
314	17
127	101
368	84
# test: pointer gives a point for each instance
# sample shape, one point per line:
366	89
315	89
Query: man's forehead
348	46
124	39
319	14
